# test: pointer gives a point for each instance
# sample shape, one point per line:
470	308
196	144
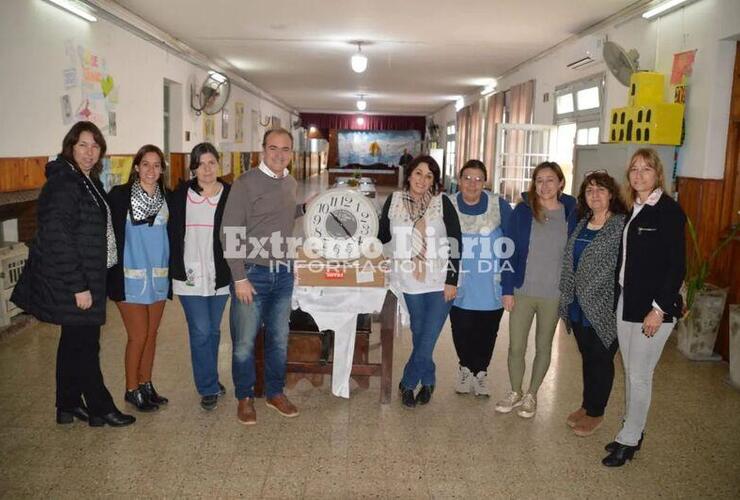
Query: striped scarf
416	210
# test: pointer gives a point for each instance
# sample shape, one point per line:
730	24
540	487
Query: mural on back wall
376	146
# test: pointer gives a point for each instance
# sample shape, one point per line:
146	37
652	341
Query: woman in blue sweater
539	228
477	310
139	283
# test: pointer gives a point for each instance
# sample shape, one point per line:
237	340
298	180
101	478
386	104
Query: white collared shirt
264	168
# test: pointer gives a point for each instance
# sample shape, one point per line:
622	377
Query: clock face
343	220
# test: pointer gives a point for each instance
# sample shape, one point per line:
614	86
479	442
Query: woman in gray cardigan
587	285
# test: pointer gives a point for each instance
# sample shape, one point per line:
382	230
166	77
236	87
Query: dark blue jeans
203	315
428	313
271	307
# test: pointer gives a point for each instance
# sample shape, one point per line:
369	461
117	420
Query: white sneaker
480	384
464	380
511	401
529	406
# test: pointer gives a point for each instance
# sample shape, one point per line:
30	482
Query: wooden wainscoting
178	167
702	201
20	174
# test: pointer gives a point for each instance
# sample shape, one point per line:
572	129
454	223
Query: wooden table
361	367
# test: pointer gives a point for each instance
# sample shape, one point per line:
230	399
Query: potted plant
705	303
735	345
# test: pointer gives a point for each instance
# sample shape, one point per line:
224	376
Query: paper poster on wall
225	159
66	109
112	128
70	78
683	66
239	122
255	130
224	123
93	92
115	171
209	129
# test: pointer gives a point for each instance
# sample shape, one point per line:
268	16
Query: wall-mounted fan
213	94
621	63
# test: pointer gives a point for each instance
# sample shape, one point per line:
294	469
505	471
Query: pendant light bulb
361	103
359	61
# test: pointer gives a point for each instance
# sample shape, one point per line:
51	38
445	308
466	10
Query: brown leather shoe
282	405
587	426
574	417
245	412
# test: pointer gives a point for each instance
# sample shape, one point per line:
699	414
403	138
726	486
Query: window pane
588	98
593	135
582	136
564	103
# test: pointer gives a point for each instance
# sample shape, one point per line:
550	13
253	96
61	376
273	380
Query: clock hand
340	224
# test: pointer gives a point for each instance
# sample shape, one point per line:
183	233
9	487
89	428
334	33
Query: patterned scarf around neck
144	208
416	210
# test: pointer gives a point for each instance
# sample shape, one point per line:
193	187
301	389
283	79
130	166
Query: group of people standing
138	245
609	263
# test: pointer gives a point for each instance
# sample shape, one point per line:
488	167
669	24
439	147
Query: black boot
407	396
611	446
114	419
425	394
621	454
151	394
136	398
67	415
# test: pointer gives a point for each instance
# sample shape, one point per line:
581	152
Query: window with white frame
581	103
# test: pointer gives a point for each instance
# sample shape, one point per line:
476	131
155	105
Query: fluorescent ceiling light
361	103
662	8
359	61
490	87
217	76
459	103
75	8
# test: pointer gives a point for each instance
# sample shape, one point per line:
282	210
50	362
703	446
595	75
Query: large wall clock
343	219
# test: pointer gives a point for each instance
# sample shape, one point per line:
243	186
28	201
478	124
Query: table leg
387	331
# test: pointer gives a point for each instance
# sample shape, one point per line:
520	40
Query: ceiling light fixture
459	103
217	76
75	8
359	61
361	103
490	87
662	8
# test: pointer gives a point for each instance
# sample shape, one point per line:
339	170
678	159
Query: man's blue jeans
203	315
271	307
428	313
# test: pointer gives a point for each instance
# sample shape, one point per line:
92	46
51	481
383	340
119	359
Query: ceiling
421	53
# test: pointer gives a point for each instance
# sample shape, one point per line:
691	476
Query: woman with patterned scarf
587	298
424	231
139	283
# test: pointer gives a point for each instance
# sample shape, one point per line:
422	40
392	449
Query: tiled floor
456	447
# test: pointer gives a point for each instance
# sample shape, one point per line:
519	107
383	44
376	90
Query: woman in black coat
64	279
651	271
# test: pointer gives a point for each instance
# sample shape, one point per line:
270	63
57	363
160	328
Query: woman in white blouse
200	275
424	231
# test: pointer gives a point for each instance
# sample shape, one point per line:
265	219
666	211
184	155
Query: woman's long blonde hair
649	156
533	198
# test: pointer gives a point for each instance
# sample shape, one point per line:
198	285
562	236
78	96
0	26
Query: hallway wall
34	36
711	26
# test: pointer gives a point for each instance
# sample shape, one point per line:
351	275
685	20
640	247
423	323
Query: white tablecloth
336	308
